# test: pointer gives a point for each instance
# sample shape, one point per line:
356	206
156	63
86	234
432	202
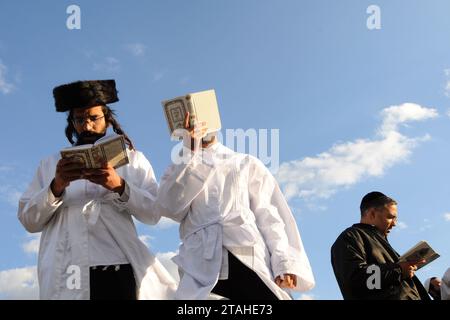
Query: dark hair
375	199
109	118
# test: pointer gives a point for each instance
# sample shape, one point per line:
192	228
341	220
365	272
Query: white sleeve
38	204
278	227
445	286
181	184
141	188
268	220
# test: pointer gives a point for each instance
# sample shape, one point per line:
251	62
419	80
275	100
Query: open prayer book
421	251
111	149
201	105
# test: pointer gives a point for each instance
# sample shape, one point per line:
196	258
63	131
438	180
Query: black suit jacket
358	248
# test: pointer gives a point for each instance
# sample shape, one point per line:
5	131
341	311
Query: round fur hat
84	94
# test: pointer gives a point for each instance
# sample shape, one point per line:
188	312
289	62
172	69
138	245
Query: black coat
359	247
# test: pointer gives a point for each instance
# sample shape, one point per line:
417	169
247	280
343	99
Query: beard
87	137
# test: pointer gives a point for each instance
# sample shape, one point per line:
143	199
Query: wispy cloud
447	82
166	260
31	245
426	225
109	64
401	225
166	223
19	284
136	49
345	164
447	216
10	195
185	80
305	296
158	75
6	168
5	85
448	112
145	238
12	184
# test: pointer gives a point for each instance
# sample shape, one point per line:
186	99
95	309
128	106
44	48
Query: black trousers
108	284
242	283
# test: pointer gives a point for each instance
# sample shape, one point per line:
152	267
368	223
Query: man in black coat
365	264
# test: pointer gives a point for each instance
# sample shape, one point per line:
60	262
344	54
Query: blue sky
357	109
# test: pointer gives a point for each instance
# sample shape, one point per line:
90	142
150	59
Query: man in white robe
239	237
433	287
89	247
445	285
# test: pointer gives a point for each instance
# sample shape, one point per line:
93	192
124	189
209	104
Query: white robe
445	285
64	225
225	199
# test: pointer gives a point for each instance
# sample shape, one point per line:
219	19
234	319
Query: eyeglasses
80	121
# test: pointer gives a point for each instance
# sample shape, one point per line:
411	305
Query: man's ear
371	213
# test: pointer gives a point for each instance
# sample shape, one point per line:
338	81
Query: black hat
84	94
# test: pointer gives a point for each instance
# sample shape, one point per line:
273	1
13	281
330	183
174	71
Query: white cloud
447	82
31	246
347	163
426	225
305	296
109	64
185	80
448	112
407	112
166	223
10	194
402	225
146	239
19	284
12	185
5	86
447	216
136	49
158	76
166	260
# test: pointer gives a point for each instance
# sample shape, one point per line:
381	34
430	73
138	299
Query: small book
421	251
201	105
111	149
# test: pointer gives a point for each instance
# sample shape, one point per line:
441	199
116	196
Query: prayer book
421	251
111	149
201	105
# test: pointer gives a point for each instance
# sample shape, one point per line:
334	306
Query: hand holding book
94	162
415	258
71	169
193	132
67	170
410	267
106	177
201	106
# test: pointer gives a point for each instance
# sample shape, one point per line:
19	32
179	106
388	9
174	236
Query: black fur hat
84	94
